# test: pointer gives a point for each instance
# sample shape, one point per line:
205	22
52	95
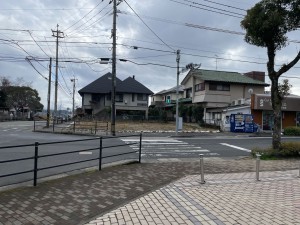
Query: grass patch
287	150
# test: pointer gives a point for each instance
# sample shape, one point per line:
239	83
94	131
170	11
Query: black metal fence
75	127
50	161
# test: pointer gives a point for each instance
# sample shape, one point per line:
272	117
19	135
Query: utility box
180	123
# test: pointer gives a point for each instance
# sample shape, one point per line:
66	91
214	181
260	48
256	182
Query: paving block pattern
224	199
79	198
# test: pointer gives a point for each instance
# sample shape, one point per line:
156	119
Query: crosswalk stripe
236	147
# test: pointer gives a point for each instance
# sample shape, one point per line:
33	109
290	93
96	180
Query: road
153	148
213	146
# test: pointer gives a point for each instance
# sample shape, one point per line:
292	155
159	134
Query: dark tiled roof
130	85
223	76
103	85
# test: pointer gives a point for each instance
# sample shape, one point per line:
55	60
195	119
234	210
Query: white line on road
236	147
85	153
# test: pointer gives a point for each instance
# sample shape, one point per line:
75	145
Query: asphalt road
153	148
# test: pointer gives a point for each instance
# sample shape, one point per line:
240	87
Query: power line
222	13
229	6
223	10
148	26
84	16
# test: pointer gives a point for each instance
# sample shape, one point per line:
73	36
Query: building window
219	87
96	97
108	97
132	98
168	99
119	97
142	97
200	87
188	93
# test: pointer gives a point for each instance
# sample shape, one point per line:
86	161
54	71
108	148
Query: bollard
202	169
257	166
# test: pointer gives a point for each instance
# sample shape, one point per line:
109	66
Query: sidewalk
224	199
81	198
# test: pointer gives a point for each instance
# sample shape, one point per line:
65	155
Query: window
200	87
133	98
142	97
108	97
168	99
219	87
96	97
119	97
188	93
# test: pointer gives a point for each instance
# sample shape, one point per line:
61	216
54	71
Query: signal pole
58	34
49	93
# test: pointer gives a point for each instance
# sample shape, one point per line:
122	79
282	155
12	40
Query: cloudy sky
149	32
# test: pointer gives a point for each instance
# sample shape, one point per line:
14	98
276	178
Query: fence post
96	127
257	166
33	125
100	154
140	149
202	169
74	126
36	155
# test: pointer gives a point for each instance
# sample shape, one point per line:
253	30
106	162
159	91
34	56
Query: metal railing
37	156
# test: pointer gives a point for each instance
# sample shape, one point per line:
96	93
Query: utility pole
73	109
49	93
113	91
177	88
58	34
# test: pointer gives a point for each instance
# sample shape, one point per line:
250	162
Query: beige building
216	90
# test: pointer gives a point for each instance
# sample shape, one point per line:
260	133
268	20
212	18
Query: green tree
267	25
20	97
2	99
198	113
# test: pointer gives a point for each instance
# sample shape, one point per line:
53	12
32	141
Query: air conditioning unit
241	101
235	102
125	101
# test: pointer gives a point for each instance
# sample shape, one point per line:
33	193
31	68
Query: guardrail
74	127
99	148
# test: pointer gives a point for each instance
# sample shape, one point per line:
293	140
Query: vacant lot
156	126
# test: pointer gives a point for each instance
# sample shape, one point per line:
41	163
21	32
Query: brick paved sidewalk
80	198
224	199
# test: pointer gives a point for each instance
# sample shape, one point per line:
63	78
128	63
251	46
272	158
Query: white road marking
236	147
85	153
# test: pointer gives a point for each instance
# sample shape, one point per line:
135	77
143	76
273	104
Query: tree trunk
276	106
275	97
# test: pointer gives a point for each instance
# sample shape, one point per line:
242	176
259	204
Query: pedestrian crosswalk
167	148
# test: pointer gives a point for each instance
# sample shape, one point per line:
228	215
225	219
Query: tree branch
285	68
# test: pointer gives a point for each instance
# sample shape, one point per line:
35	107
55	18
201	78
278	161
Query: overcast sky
206	32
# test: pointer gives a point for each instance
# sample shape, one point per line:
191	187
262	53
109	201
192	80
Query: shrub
292	131
287	149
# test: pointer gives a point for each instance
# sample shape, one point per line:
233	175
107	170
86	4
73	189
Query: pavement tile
77	199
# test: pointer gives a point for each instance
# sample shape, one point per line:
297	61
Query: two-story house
216	90
167	97
131	96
